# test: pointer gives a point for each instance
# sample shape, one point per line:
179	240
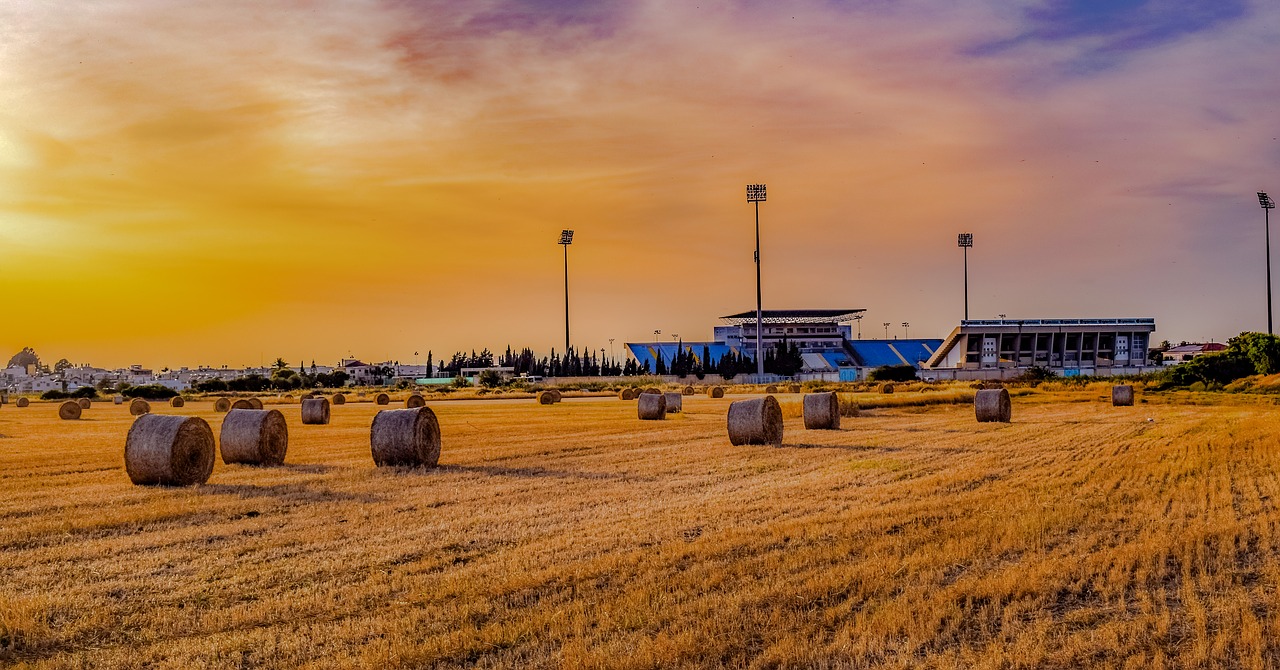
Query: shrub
85	392
490	379
214	385
461	382
55	395
149	392
893	373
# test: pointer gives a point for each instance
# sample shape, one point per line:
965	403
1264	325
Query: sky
231	182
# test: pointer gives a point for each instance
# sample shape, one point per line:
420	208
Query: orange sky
224	184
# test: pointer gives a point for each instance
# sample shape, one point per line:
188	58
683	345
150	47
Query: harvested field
1080	535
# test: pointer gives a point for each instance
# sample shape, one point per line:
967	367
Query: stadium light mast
906	330
566	238
1267	205
965	241
858	318
886	325
756	195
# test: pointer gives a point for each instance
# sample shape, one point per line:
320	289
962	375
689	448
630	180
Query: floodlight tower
965	241
886	329
906	329
858	318
756	195
1267	205
566	238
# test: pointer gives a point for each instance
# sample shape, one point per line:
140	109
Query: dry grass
1080	535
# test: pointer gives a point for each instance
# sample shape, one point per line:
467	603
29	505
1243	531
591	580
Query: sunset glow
229	182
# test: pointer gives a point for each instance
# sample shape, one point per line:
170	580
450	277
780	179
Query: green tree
1262	349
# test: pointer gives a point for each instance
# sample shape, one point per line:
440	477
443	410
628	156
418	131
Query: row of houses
29	379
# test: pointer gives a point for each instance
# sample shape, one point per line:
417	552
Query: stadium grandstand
823	336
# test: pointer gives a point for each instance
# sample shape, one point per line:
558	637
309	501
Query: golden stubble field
576	536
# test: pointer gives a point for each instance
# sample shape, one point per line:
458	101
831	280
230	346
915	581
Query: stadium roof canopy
795	316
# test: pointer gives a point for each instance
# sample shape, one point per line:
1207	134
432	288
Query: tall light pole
906	329
566	238
886	330
858	318
756	195
964	241
611	348
1267	205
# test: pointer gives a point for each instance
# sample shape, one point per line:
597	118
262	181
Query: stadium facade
1004	348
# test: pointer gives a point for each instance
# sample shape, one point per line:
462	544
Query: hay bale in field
409	437
242	403
556	395
254	437
821	411
177	401
84	403
222	405
755	421
315	411
771	389
169	450
627	394
652	391
794	388
117	399
415	400
339	399
255	403
382	399
992	405
22	402
886	387
138	407
1122	395
69	410
546	398
689	390
675	402
651	406
715	392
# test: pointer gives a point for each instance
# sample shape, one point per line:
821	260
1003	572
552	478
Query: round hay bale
84	403
651	406
794	388
545	398
992	405
117	399
254	437
627	394
689	390
315	411
339	399
177	401
255	403
22	402
675	402
169	450
138	407
651	390
821	411
1122	395
715	392
222	405
886	387
414	401
755	421
242	403
771	389
69	410
382	399
557	394
409	437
